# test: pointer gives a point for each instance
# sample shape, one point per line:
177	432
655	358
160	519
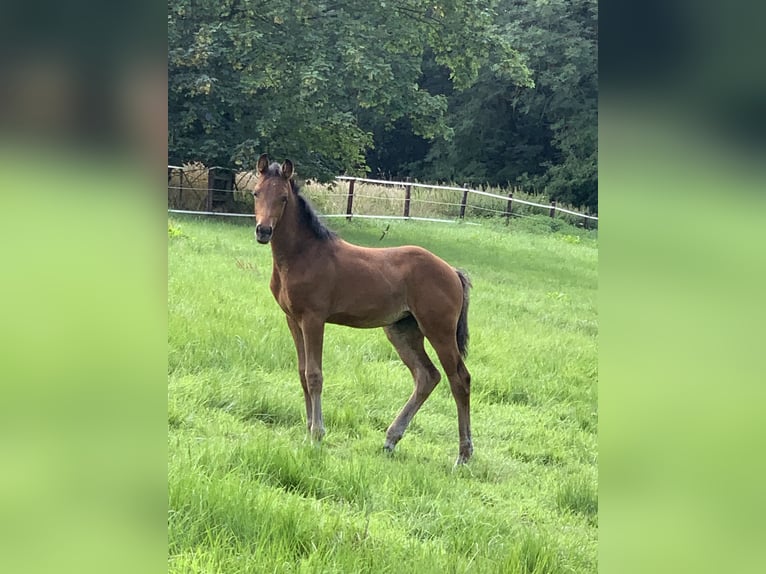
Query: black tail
462	322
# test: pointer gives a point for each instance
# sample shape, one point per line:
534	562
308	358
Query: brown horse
318	278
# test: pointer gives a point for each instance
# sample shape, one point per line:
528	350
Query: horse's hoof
317	434
464	452
463	458
388	448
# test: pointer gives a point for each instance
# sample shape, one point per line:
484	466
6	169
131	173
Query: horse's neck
291	241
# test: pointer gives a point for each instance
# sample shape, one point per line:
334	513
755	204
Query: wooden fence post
585	222
464	200
350	203
170	176
508	208
407	198
210	187
553	208
181	189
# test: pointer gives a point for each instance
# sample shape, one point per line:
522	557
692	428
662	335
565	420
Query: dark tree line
478	91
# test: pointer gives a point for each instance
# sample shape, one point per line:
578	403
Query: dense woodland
499	92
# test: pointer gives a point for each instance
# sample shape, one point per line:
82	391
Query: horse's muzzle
263	233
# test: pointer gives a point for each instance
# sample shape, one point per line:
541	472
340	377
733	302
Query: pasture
248	492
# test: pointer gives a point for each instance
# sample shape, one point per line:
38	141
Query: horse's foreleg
295	331
313	336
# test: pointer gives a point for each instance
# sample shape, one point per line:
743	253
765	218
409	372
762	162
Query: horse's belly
366	321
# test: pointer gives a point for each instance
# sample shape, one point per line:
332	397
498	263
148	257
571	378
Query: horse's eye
255	194
284	200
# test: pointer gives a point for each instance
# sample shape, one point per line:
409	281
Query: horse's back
420	279
407	262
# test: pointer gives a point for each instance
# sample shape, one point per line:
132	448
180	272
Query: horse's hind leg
460	384
407	339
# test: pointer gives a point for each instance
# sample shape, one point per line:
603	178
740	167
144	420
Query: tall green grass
249	493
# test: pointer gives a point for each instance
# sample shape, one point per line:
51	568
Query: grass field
249	493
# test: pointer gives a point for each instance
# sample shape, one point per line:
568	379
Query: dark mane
308	216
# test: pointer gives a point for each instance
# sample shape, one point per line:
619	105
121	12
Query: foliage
298	79
541	137
476	91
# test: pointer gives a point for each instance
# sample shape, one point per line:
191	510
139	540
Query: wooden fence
215	195
465	191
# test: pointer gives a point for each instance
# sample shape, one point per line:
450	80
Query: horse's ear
263	163
287	169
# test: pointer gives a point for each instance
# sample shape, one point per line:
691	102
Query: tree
313	81
543	135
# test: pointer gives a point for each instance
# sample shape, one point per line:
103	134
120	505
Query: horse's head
271	193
